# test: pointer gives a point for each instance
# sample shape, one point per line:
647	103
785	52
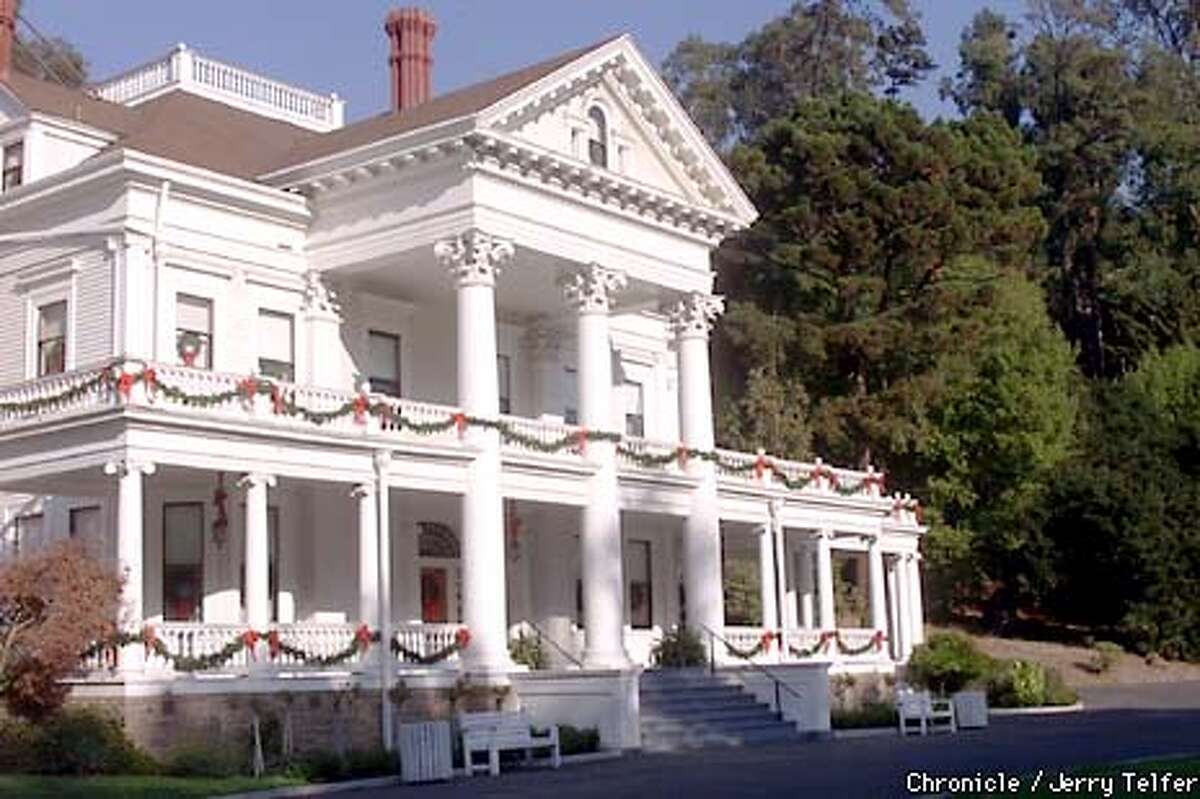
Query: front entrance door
434	605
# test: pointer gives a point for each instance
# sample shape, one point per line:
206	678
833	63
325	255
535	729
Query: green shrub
1104	656
369	763
576	741
1021	683
946	663
868	714
202	759
528	651
679	649
320	766
84	741
18	747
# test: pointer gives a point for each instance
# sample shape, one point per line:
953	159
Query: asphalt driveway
1120	723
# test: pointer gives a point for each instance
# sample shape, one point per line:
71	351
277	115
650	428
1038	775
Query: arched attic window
598	137
436	540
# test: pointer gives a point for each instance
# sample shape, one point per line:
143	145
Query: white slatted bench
497	732
927	713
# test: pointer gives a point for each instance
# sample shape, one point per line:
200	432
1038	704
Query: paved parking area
1121	723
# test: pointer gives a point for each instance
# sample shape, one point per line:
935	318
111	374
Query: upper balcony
210	399
186	70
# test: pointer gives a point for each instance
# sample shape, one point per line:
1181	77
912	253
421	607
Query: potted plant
950	665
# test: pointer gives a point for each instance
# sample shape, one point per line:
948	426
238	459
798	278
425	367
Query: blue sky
339	45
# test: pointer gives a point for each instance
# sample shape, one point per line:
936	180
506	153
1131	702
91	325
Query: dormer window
597	137
14	163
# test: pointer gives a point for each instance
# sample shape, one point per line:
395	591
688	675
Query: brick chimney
411	32
8	26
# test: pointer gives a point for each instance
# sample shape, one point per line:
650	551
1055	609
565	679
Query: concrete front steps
692	709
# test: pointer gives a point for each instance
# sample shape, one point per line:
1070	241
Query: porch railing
258	401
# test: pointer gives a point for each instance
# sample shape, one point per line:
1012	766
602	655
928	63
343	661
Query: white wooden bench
920	709
497	732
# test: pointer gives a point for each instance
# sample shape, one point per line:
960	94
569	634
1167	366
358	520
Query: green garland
284	403
363	639
875	642
806	652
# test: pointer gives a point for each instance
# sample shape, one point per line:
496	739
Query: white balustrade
540	434
425	640
187	69
59	394
633	449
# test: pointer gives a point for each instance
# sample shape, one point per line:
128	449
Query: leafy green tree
51	58
838	287
819	48
1002	423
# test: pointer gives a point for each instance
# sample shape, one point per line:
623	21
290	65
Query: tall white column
133	298
258	612
368	555
825	579
542	345
903	589
324	364
590	291
767	577
474	259
382	461
805	584
130	544
895	642
915	607
693	319
875	571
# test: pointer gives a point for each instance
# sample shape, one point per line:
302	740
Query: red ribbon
681	452
462	637
361	405
460	423
249	641
125	384
878	638
274	644
149	639
248	387
150	377
277	404
760	464
362	637
582	437
765	640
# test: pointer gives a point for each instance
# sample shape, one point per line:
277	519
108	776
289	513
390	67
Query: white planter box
970	709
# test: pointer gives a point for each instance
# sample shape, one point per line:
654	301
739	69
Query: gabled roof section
457	104
71	104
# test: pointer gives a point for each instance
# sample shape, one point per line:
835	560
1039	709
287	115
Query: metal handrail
542	636
713	637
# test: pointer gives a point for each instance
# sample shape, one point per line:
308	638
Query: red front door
433	595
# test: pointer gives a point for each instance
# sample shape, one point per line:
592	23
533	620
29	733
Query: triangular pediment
650	139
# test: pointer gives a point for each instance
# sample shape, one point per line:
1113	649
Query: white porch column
324	364
875	570
382	461
904	607
368	555
590	291
767	577
693	319
130	543
895	639
474	259
825	579
542	345
915	607
258	613
805	585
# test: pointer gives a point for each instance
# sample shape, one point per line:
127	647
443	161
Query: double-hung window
571	406
14	166
194	330
52	338
504	376
183	561
276	345
635	415
383	362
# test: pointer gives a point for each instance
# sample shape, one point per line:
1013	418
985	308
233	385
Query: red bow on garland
878	638
765	640
460	423
362	637
277	404
250	641
361	405
125	384
149	639
761	464
462	637
248	387
582	438
274	645
681	452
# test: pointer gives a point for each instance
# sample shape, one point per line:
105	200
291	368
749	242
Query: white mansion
442	369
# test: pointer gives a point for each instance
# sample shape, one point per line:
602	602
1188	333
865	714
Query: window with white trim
52	338
597	137
14	166
504	378
383	362
28	528
571	407
194	330
276	345
633	398
183	561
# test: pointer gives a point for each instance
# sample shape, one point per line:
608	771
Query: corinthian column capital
590	289
693	316
474	257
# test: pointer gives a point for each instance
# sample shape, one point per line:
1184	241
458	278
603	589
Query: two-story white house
442	369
